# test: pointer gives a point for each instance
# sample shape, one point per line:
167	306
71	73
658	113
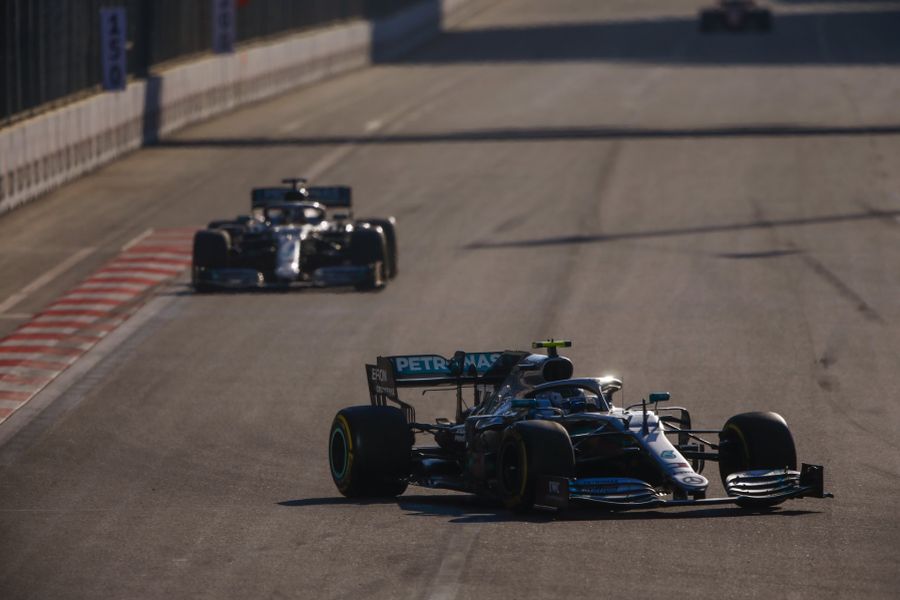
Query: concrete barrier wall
44	152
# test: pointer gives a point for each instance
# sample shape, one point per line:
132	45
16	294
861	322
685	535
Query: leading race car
294	237
534	435
736	15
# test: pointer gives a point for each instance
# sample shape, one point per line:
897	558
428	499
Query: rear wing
336	196
330	197
428	370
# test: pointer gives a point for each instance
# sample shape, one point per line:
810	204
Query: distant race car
534	435
293	238
736	15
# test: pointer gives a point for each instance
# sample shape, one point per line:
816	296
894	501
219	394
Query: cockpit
571	397
294	214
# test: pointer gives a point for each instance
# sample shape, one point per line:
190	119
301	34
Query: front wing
245	279
747	489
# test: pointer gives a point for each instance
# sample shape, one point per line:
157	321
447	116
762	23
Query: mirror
659	397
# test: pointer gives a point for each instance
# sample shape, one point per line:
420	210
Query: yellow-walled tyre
369	450
528	450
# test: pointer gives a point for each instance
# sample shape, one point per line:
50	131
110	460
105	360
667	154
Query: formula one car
533	435
735	15
294	238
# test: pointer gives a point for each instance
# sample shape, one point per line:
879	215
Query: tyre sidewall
540	448
376	444
389	230
758	440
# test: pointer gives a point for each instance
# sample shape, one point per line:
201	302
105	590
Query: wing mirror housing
659	397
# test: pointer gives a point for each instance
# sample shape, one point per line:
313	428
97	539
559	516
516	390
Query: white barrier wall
54	147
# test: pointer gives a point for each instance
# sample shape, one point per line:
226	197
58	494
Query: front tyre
528	450
389	228
211	251
369	450
368	248
756	440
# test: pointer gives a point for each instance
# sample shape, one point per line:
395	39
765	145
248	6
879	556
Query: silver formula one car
296	236
534	435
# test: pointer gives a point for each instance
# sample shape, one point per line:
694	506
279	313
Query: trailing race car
534	435
736	15
291	238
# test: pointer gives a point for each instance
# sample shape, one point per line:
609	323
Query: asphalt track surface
715	216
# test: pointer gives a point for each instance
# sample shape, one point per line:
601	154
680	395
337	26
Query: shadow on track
547	134
837	37
464	508
685	231
187	290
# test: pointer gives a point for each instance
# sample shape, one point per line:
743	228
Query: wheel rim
337	455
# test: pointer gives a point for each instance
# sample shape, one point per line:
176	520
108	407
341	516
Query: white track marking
98	296
44	343
79	318
45	279
446	582
89	285
61	358
149	264
137	239
13	387
63	305
371	127
136	253
28	372
117	275
38	328
294	125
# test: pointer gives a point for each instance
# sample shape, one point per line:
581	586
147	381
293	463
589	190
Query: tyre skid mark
843	290
39	350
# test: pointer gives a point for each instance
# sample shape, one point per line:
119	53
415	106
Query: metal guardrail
50	49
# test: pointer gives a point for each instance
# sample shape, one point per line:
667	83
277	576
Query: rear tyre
528	450
389	227
211	248
369	451
368	247
756	440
